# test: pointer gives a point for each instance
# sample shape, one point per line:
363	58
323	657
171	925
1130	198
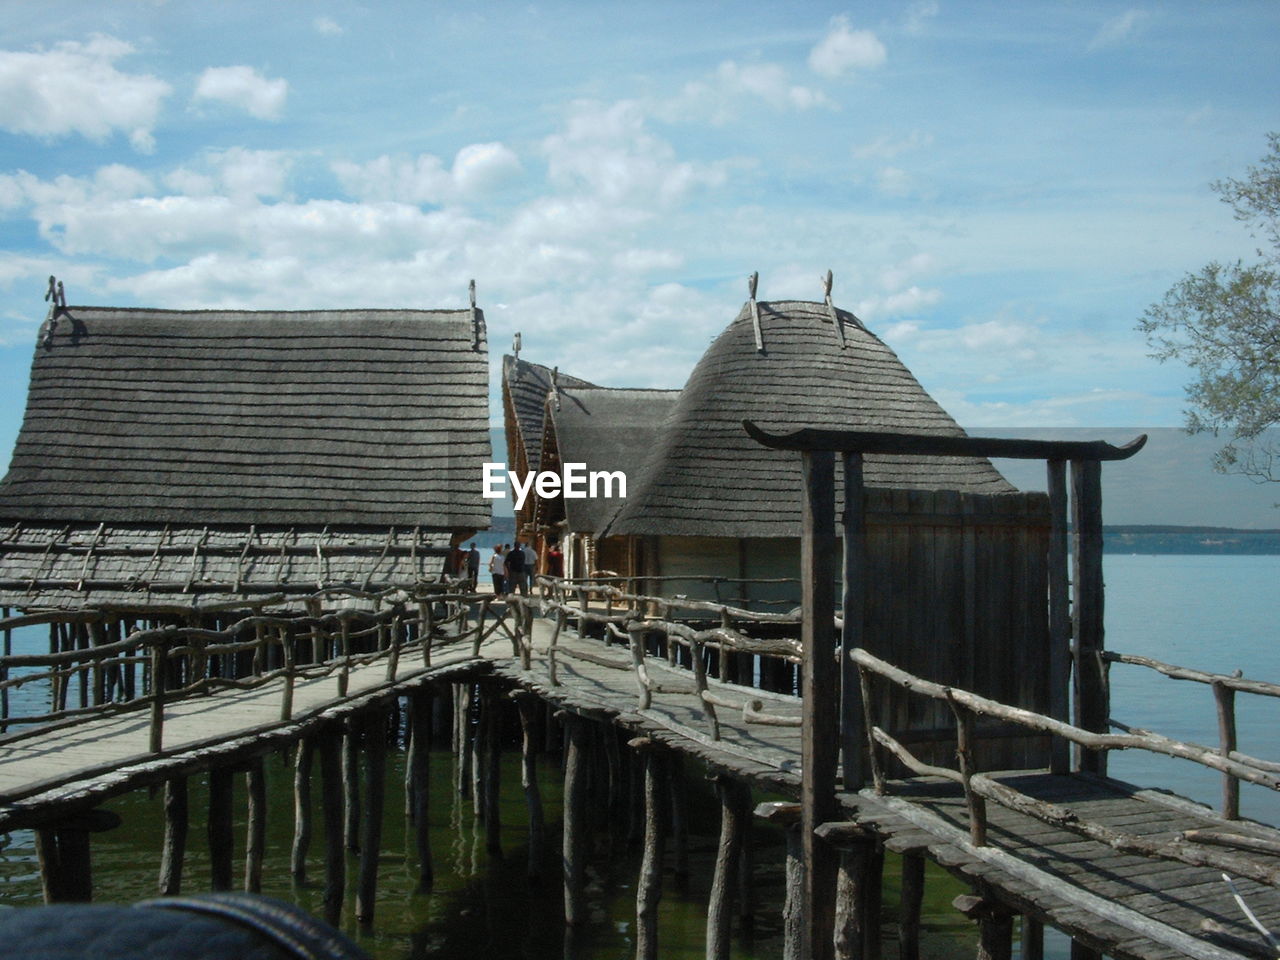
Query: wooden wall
957	593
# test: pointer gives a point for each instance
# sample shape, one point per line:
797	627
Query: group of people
511	566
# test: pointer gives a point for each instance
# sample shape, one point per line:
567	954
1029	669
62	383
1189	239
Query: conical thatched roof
706	477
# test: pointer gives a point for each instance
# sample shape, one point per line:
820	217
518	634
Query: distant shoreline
1197	540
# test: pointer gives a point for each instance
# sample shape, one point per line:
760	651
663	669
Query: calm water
1214	613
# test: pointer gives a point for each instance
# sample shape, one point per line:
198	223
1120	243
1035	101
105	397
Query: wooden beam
1091	697
852	732
927	445
1059	614
820	732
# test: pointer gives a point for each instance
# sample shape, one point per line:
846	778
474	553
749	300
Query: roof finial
57	298
752	282
831	309
555	385
476	322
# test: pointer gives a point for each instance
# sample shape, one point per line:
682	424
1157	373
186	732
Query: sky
999	189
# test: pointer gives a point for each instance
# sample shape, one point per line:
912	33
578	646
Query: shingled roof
706	477
606	429
525	387
351	417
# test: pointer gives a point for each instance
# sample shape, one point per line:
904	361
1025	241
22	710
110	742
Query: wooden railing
978	788
647	626
158	665
1224	687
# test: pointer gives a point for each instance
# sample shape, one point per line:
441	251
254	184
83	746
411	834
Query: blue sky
1000	189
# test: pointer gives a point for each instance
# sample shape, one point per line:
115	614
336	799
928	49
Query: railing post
1091	699
820	733
157	694
286	648
1225	699
964	753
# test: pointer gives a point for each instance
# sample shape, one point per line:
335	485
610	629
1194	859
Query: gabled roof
358	418
607	429
706	477
525	387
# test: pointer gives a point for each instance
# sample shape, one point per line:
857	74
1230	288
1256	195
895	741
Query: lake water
1213	613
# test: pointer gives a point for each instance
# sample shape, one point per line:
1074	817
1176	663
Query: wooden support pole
329	745
1059	614
679	815
301	808
66	874
820	732
462	736
575	820
419	764
1081	952
995	925
351	784
735	803
219	828
528	705
910	899
256	831
1091	697
1032	938
649	883
173	852
787	815
852	733
375	768
492	755
858	900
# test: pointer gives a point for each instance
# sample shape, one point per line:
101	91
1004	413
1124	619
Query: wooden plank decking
1125	905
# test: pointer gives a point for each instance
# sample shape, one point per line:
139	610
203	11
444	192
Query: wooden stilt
351	785
575	825
746	868
219	828
909	907
462	736
66	874
858	899
735	801
528	707
679	815
492	753
649	884
335	873
479	743
173	853
1032	938
375	759
301	809
1080	952
256	836
420	704
788	815
995	925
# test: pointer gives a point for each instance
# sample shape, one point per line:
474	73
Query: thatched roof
151	566
352	417
607	429
706	477
525	387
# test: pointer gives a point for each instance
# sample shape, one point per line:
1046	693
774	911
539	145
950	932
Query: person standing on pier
473	566
517	576
497	569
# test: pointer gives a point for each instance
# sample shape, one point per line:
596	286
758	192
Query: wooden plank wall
957	593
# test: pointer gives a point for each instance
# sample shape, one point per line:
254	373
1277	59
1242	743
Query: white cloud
76	88
1118	29
244	87
477	169
918	14
894	182
887	147
899	303
844	49
327	27
769	82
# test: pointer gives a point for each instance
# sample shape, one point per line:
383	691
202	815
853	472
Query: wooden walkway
1124	905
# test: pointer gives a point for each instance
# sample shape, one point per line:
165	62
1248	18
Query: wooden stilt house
174	461
956	556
